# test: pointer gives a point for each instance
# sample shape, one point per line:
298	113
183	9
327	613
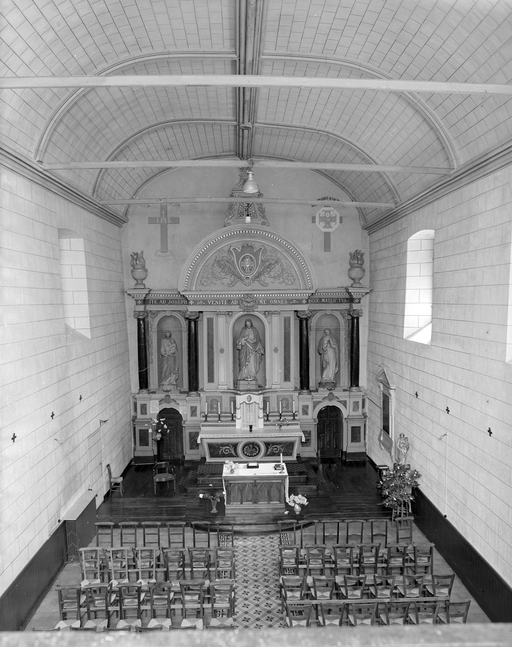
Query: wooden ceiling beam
312	203
255	164
253	81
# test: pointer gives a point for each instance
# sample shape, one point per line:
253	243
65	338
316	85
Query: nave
260	594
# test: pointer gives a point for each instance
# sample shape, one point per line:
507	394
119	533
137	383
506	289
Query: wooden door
170	446
329	432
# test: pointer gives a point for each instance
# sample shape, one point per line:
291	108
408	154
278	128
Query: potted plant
397	487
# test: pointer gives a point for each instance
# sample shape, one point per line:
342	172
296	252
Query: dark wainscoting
485	584
26	592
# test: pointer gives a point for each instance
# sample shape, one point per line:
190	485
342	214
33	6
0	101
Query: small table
263	488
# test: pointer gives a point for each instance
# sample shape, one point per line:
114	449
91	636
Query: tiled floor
256	588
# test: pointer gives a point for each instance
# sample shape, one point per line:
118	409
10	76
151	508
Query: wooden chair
423	612
411	586
222	599
362	613
100	600
292	588
394	612
440	586
104	533
298	613
324	588
381	587
71	602
332	613
164	472
354	587
160	599
453	612
345	560
423	558
116	482
174	561
289	558
92	564
368	558
224	563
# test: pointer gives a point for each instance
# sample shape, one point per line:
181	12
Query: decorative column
354	349
193	352
304	316
142	349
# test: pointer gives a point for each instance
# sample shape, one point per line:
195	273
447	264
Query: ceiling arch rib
275	63
157	59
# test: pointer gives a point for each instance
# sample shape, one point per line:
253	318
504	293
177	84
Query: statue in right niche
328	351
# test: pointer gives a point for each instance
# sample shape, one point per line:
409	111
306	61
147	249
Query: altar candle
218	407
280	405
268	407
293	406
281	458
232	408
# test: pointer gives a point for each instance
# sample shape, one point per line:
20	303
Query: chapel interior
263	233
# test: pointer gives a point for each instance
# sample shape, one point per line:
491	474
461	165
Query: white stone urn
139	271
356	271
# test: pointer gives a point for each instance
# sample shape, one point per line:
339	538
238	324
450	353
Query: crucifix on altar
164	220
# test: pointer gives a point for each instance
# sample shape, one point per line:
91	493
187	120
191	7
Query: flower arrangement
213	495
230	465
159	427
397	487
296	499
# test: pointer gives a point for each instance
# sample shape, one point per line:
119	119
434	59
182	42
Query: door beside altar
263	488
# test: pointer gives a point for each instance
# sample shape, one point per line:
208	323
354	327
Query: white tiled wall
53	461
465	471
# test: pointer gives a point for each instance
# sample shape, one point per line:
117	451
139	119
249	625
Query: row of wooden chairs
152	564
307	613
165	604
353	559
352	587
347	531
163	534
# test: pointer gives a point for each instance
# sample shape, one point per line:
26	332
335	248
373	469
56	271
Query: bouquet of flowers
296	499
213	495
230	465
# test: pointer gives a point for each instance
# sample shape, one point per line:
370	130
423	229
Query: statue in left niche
170	363
139	271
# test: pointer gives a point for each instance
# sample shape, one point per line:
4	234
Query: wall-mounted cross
80	398
13	438
164	219
489	431
447	410
52	416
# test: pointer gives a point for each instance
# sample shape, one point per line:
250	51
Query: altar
260	487
266	446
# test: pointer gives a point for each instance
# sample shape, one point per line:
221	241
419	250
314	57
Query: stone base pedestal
247	385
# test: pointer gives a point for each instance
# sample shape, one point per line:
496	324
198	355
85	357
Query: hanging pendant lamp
250	185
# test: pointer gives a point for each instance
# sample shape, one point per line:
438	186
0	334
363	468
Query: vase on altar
297	508
356	271
214	506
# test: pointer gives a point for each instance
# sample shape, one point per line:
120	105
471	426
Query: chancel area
256	277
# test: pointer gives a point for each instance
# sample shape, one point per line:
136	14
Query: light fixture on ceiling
250	185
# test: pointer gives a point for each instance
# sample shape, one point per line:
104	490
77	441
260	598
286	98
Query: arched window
75	295
419	287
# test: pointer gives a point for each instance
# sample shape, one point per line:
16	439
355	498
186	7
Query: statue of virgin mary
250	351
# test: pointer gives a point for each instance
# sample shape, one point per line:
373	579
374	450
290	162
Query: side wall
462	379
55	387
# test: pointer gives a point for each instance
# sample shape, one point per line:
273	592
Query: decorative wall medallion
327	219
251	449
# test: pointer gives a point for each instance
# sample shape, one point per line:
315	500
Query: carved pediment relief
246	257
248	265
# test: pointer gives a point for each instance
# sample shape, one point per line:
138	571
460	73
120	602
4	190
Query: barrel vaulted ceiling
415	136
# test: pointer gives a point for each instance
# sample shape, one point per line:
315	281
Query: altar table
263	488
